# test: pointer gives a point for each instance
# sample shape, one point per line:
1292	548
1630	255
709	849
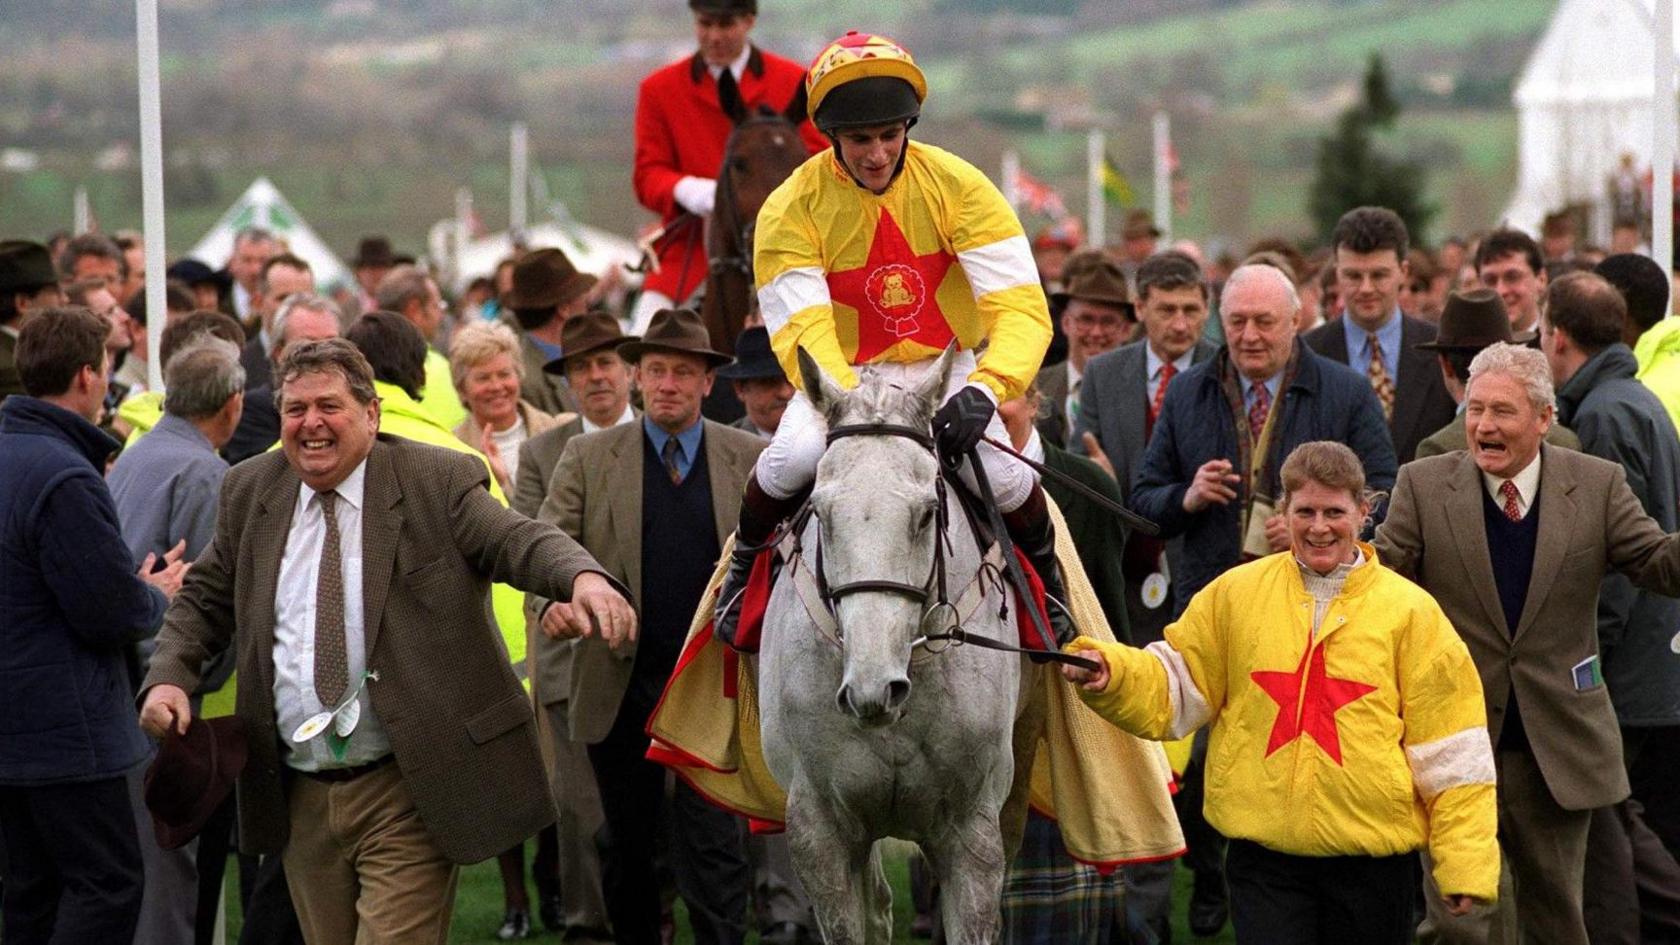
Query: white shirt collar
1152	362
350	490
1528	486
735	68
1074	375
628	415
1034	450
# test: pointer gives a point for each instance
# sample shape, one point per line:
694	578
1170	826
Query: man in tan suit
1513	537
654	501
356	569
600	382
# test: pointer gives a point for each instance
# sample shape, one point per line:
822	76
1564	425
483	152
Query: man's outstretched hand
596	606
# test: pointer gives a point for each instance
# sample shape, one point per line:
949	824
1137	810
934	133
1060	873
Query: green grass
478	906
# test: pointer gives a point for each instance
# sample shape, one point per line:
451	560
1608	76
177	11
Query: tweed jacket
595	495
1590	523
433	539
1421	401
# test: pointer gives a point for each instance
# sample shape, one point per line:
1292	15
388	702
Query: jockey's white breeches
649	302
789	463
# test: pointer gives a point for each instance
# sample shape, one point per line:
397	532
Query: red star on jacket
894	293
1309	709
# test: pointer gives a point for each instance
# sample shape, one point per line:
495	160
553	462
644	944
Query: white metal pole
1662	129
1096	207
519	176
81	214
1011	170
1163	176
151	185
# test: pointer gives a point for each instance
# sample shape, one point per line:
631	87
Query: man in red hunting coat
682	127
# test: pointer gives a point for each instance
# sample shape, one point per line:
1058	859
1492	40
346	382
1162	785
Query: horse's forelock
875	400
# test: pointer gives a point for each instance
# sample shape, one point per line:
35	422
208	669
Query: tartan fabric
1049	897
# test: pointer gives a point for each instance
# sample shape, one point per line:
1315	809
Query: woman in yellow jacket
1347	725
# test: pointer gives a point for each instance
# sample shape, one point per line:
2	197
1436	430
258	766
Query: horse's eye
738	165
926	519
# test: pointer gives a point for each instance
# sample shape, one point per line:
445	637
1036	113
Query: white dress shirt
628	415
1152	364
294	629
1528	486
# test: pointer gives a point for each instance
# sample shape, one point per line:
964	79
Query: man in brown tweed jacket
389	738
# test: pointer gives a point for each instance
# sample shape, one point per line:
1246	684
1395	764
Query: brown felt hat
545	278
374	251
586	333
675	329
191	776
1139	223
1101	281
1471	321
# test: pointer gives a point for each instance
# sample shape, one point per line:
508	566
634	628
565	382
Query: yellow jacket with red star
856	277
1368	739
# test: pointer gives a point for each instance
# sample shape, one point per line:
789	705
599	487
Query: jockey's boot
1032	532
761	513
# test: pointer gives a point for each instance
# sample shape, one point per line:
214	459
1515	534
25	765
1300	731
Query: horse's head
763	150
876	498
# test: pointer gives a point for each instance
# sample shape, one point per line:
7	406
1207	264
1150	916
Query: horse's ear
931	391
822	391
795	110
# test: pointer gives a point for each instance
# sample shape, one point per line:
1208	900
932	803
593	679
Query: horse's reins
936	581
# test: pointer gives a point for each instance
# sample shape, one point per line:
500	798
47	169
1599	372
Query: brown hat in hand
1471	321
545	278
586	333
191	776
1101	281
675	329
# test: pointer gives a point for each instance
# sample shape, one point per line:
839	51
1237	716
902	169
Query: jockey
681	131
880	252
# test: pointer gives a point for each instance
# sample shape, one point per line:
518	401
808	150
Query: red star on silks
1312	710
894	293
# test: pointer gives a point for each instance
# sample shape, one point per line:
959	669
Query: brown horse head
763	150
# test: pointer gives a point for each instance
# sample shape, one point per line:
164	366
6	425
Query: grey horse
872	734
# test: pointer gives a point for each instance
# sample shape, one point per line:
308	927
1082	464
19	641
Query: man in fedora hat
1471	321
599	380
682	127
28	284
547	292
1096	316
654	502
1139	237
759	382
374	258
1370	246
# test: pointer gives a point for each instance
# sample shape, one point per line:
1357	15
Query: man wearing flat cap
547	292
654	502
1096	316
28	284
684	115
599	380
760	383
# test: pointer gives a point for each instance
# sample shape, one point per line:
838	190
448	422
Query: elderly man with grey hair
1513	537
303	316
1211	473
166	487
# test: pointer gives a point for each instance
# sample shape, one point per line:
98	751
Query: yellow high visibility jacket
1370	739
857	278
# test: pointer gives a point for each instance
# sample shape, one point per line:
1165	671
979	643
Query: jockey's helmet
860	80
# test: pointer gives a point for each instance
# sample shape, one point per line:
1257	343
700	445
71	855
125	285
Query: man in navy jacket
71	604
1261	396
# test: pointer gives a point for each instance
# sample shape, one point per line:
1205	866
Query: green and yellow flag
1115	185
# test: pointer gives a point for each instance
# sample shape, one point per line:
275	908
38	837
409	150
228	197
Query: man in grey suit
1096	315
600	382
654	501
1120	398
1374	337
389	738
1513	538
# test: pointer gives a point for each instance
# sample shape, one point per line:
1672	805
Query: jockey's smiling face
722	36
872	153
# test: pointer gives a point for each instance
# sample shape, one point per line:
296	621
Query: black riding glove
959	425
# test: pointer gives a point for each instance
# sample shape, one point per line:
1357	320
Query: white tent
588	248
1583	100
262	205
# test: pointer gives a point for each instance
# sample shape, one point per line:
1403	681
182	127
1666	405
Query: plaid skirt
1049	897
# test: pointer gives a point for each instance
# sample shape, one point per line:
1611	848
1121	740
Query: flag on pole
1180	183
1115	185
1034	195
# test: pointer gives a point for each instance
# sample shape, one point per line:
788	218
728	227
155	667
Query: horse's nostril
843	699
897	691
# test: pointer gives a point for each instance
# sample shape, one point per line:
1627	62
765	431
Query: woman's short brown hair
1328	463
